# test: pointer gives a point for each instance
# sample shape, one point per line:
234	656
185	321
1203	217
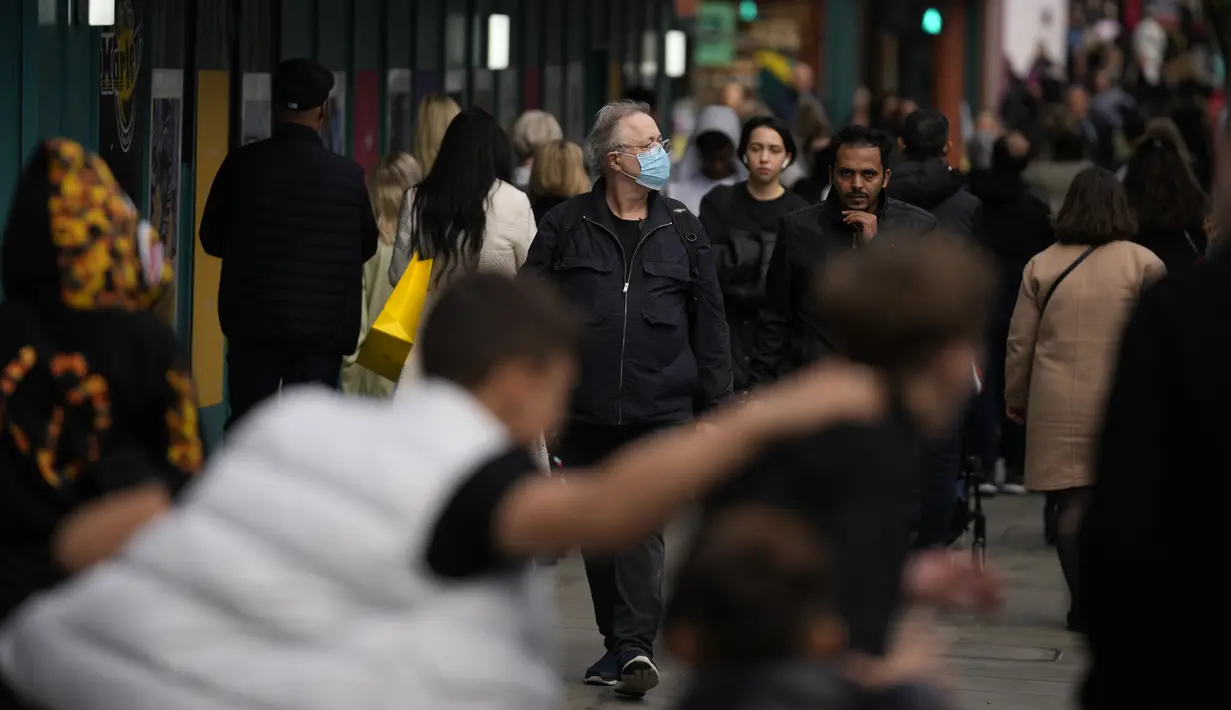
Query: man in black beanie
293	225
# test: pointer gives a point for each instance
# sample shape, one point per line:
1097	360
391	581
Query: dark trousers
256	372
941	469
1011	442
627	587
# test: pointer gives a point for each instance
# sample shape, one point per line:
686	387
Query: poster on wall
124	90
258	114
367	119
401	110
166	126
334	130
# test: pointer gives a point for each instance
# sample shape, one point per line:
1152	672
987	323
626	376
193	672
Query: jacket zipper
628	278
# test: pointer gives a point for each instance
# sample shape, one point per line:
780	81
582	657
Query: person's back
925	180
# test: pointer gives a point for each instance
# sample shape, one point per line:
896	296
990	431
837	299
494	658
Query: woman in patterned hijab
97	412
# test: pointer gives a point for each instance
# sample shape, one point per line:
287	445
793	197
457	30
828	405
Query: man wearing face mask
742	221
856	212
655	354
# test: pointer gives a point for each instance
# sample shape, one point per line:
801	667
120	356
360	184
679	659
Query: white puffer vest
293	577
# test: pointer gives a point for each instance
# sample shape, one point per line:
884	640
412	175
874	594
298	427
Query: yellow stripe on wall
208	345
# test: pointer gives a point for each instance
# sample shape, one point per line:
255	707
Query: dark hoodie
934	186
94	393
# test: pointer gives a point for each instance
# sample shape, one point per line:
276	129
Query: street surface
1022	659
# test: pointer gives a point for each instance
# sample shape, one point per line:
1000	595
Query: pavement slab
1020	659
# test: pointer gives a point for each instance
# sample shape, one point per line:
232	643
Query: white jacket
293	577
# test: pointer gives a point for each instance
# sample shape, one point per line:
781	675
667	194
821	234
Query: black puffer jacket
293	226
934	186
790	334
648	357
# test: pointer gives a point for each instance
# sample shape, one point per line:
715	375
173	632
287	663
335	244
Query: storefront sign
124	104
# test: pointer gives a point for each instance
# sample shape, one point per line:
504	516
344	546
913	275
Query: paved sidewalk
1022	659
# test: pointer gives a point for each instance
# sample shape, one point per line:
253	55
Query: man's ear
885	180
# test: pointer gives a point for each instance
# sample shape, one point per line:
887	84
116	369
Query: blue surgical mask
655	168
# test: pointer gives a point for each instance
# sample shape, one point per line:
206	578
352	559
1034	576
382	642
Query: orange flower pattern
98	235
184	450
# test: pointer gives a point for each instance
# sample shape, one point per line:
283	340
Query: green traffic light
748	10
932	21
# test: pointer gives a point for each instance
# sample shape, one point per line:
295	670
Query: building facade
173	85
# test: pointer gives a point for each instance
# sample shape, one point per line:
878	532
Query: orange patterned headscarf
103	254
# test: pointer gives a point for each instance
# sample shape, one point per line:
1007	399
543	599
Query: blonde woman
436	112
559	173
387	186
532	130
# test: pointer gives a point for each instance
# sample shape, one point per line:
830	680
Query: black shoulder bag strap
574	212
683	226
1061	277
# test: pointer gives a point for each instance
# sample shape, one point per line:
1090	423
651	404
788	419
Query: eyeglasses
638	149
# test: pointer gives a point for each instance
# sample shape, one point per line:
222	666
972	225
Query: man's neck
627	199
765	191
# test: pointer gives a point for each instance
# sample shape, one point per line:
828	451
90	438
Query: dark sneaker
638	675
604	671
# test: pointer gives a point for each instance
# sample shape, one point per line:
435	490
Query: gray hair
531	130
604	137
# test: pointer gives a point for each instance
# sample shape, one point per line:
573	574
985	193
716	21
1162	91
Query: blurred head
717	154
624	136
804	78
1095	210
988	122
1011	153
510	343
531	130
756	587
918	312
905	108
388	182
1102	80
1161	189
925	134
559	170
75	240
767	148
450	205
1166	130
734	95
436	111
1078	102
858	174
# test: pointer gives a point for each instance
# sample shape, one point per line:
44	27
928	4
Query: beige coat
1059	367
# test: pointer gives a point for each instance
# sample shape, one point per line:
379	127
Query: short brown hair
896	306
485	320
1095	210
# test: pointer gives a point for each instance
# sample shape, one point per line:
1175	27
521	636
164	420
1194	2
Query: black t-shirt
628	231
463	542
858	484
762	216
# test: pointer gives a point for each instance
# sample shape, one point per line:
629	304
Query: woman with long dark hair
465	215
1169	204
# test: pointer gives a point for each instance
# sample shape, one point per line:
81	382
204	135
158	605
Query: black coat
1154	537
934	186
647	357
790	334
293	226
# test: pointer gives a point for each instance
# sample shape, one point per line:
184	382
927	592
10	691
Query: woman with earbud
742	223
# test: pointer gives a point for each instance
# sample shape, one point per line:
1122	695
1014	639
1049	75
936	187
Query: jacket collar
296	131
658	212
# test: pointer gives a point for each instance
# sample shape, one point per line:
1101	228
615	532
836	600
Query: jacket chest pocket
667	289
583	279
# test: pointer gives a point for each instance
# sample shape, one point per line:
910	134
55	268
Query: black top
934	186
628	231
647	357
293	226
790	334
744	231
463	543
858	484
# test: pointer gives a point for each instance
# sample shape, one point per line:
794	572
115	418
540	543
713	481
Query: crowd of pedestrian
805	358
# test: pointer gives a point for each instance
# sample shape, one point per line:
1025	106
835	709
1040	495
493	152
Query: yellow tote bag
388	344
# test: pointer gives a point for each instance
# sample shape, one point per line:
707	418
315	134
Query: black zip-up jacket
934	186
790	334
293	225
644	359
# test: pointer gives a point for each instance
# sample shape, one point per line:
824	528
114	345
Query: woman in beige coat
1062	349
